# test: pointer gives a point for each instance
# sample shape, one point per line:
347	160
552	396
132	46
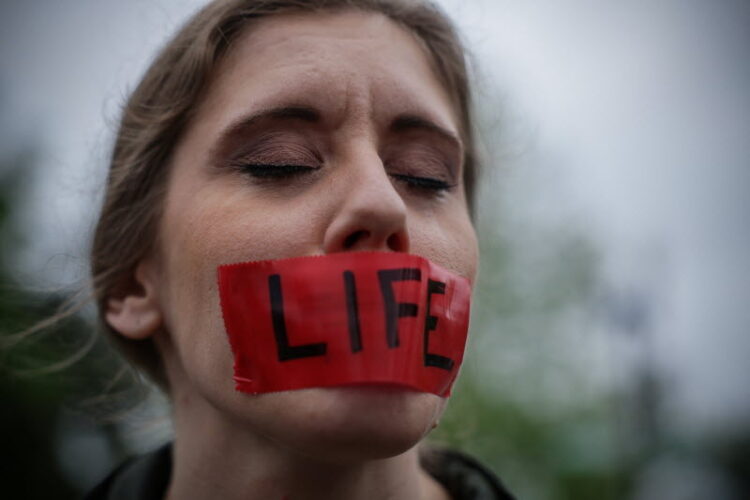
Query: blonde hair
161	107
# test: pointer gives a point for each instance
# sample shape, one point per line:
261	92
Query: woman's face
320	133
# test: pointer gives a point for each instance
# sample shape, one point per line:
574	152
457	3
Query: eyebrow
302	113
406	122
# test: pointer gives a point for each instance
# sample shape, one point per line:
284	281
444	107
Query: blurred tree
28	422
35	405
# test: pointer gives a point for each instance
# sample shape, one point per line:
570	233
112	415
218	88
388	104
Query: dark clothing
147	477
463	476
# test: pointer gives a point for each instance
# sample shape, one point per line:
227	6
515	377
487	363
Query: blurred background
611	329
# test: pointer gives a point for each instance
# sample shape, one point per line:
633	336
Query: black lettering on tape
430	324
287	352
395	310
352	310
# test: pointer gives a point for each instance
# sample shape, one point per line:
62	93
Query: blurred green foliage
30	406
34	403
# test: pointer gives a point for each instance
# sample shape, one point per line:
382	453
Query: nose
371	214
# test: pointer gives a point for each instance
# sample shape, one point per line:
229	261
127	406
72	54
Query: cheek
196	239
449	241
226	230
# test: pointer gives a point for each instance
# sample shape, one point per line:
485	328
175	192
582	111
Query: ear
137	315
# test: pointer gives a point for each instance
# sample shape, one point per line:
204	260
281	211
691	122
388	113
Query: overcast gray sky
640	111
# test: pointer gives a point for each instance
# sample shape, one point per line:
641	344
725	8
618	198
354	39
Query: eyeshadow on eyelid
423	162
275	148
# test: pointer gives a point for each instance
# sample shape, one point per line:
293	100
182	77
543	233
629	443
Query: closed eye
425	183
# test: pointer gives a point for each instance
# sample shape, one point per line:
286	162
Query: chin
352	423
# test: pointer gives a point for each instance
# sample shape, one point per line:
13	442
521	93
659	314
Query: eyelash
423	183
279	172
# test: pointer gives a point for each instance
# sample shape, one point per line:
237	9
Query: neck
217	458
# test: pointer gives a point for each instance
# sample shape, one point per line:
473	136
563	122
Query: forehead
343	63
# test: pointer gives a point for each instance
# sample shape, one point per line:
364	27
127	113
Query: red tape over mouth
344	319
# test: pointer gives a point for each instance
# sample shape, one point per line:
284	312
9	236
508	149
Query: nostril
354	238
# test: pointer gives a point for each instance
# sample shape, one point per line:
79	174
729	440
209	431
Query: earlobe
137	315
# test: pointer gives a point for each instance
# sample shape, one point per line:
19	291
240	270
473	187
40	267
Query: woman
269	130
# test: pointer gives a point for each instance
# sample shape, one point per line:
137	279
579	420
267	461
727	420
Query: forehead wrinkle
338	91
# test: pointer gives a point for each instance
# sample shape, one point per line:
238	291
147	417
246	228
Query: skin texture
352	190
